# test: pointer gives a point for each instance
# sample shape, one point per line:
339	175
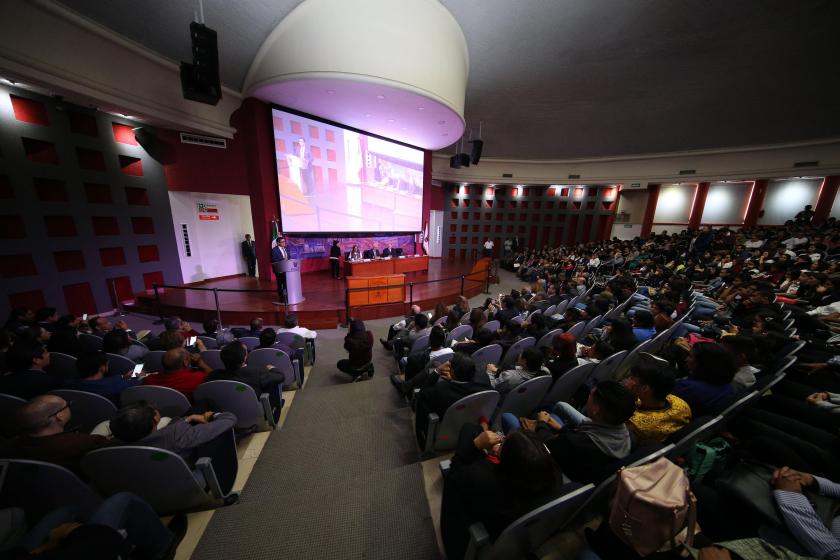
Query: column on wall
650	209
826	198
696	214
756	203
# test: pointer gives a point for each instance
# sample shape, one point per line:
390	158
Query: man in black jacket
455	383
262	380
249	253
335	257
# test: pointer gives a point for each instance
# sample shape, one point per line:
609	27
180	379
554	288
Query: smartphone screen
84	316
137	370
191	341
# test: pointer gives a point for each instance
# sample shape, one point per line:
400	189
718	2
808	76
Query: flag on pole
426	238
275	233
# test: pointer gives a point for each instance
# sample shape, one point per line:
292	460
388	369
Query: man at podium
279	253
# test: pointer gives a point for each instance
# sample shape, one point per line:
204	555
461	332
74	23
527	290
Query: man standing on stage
249	253
280	253
335	256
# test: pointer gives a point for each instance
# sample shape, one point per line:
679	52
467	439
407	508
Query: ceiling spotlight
380	96
421	108
330	91
403	128
390	120
368	115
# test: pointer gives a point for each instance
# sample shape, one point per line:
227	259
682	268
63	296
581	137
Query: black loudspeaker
478	145
459	160
200	80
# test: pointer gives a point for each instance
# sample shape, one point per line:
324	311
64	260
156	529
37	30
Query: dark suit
387	252
335	256
249	253
437	399
277	255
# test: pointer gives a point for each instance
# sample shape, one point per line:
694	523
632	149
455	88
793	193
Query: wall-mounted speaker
477	146
200	80
459	160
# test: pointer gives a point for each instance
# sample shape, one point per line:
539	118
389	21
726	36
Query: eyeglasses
62	409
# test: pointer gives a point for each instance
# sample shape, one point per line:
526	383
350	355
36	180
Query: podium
290	270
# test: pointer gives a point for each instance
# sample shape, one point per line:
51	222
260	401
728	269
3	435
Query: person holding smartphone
93	377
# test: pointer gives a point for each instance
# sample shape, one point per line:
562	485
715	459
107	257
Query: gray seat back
492	326
9	404
567	384
630	359
529	532
119	365
420	344
281	361
525	397
591	325
91	340
209	342
153	361
577	329
515	350
235	397
606	367
550	310
213	358
560	307
469	409
87	409
250	342
168	401
160	477
63	365
39	488
545	340
490	354
459	333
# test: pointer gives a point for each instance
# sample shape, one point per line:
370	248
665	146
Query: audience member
26	362
529	365
708	386
93	378
178	372
658	413
262	380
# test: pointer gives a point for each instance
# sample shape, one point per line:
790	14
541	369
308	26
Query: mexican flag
275	233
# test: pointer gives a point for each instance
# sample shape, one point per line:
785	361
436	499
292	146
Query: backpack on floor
653	507
705	457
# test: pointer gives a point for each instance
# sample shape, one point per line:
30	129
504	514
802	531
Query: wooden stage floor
324	307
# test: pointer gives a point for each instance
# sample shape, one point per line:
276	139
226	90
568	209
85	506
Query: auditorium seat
577	329
631	358
492	326
606	368
567	384
490	354
209	342
523	399
153	361
252	412
169	402
63	365
548	337
90	341
459	333
213	358
160	477
119	365
281	361
87	409
515	350
250	342
442	433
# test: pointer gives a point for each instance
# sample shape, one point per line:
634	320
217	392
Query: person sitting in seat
405	338
290	324
27	361
178	372
93	378
743	350
42	421
254	329
493	481
261	380
117	342
643	326
658	413
585	446
709	383
400	325
420	364
137	424
562	354
528	366
456	382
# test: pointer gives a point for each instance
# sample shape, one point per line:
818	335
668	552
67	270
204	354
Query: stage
324	307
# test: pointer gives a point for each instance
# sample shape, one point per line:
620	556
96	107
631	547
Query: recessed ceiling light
368	115
330	91
380	96
390	120
421	108
404	128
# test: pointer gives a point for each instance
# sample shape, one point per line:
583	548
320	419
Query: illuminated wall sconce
579	192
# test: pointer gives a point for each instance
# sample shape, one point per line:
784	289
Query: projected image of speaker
200	80
477	146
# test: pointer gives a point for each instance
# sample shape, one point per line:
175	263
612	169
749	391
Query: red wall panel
105	225
142	225
29	110
119	288
123	134
150	278
49	190
137	196
15	266
131	166
98	193
33	299
69	260
92	160
39	151
60	226
82	123
11	227
112	256
148	253
79	299
188	167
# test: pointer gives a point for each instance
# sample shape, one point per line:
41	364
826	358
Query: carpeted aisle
340	480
